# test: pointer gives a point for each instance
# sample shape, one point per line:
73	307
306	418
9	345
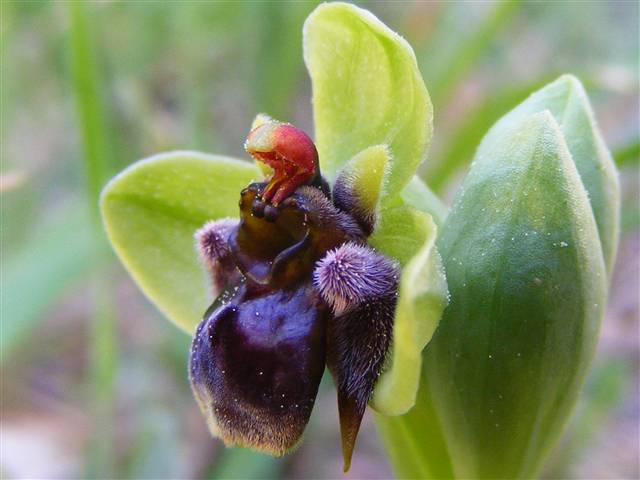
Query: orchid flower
332	252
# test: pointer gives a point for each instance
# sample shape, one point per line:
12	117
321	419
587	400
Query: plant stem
415	441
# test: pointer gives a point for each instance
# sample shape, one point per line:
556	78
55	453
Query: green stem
415	441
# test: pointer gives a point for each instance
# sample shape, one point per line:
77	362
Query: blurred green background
94	380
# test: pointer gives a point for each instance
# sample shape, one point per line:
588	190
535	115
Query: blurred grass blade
455	55
103	356
88	95
628	155
102	342
60	253
276	60
460	147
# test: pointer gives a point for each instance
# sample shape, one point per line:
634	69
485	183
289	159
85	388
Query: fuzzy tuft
352	274
212	238
212	245
347	200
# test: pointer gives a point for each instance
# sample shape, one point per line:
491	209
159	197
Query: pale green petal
367	90
408	236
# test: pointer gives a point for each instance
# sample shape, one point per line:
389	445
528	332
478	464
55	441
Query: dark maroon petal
282	248
360	285
256	363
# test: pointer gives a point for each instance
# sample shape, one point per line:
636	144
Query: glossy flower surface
300	289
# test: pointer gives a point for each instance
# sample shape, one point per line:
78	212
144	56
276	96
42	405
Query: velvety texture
256	363
301	289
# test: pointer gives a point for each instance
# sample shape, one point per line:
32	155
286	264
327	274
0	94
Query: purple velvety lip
300	290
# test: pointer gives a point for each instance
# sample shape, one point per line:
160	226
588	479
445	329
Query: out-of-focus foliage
176	76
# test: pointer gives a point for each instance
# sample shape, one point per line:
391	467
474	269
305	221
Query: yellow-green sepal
151	211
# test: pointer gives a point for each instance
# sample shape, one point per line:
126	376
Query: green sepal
367	90
567	101
528	286
151	211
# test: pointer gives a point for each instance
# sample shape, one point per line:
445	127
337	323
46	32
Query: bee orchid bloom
301	289
330	260
472	349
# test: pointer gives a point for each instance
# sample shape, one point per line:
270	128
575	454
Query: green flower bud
528	286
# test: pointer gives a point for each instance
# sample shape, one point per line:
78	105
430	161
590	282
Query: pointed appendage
360	286
213	248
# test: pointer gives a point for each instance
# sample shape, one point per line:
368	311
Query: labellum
300	289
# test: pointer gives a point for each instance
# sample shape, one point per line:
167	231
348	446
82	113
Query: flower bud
528	284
